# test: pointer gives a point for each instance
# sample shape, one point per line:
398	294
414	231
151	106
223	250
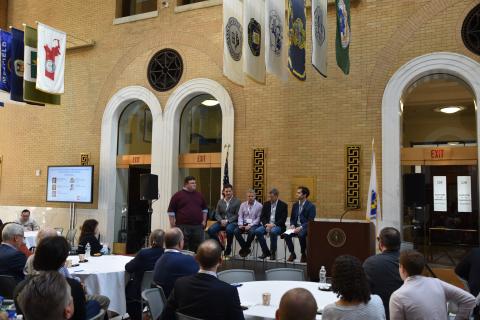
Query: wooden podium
328	239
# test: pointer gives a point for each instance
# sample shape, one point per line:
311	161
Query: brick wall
303	125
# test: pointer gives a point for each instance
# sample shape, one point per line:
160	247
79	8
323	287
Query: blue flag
16	65
5	50
297	34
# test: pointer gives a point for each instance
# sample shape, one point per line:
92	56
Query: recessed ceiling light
210	103
449	109
454	143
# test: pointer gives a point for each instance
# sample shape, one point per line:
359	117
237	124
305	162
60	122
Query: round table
104	275
251	296
30	238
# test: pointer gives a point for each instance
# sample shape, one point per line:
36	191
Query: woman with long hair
350	284
89	234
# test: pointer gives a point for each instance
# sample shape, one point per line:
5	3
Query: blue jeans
92	308
217	227
274	233
251	235
302	237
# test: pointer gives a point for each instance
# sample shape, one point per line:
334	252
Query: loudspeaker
414	189
148	186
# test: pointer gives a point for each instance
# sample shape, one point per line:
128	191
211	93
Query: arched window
135	129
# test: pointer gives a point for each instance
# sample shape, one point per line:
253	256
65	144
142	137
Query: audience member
297	304
27	222
350	284
50	255
188	211
272	222
382	269
173	264
202	295
42	233
302	212
248	220
425	298
46	296
89	235
23	247
144	261
226	215
468	269
12	260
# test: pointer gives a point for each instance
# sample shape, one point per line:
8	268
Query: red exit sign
437	153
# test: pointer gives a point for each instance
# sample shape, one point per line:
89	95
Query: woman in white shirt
350	284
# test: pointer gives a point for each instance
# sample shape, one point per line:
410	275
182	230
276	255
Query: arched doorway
110	205
415	75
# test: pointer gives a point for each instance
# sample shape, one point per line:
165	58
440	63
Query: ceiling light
450	109
453	143
210	103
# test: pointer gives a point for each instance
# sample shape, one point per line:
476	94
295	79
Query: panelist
272	220
302	212
248	221
28	223
226	215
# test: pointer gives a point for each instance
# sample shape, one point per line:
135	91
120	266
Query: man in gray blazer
226	215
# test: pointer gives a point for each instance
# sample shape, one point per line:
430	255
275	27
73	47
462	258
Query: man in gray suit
226	215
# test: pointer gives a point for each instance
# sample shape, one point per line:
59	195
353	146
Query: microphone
344	213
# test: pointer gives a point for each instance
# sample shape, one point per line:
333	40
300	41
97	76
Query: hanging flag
5	52
275	45
226	178
16	66
30	93
319	36
342	41
233	40
373	199
297	34
52	46
254	35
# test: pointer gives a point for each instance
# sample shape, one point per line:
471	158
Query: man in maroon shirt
188	211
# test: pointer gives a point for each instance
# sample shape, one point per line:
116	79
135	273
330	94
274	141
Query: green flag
342	42
30	93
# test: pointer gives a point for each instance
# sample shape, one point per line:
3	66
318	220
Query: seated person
12	260
302	212
226	215
202	295
173	264
42	233
425	298
46	296
297	304
349	282
28	223
272	221
23	246
468	270
51	255
382	269
144	261
248	220
89	234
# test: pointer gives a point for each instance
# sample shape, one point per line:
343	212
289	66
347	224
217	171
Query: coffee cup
266	298
81	257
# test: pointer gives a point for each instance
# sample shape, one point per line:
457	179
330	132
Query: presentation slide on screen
70	184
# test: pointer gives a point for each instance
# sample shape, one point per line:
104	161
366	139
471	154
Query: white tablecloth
104	275
30	238
251	296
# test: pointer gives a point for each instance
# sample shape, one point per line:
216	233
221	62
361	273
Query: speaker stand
149	221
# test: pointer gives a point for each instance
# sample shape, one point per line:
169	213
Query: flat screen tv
70	184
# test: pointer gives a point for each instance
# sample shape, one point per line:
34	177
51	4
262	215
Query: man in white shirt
28	223
248	220
422	297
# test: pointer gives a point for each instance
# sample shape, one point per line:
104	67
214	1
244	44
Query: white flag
254	39
373	199
233	40
319	36
51	46
275	39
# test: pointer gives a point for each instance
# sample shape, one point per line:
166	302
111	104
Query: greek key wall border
352	176
259	173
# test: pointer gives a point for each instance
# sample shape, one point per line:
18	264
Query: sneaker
303	258
292	257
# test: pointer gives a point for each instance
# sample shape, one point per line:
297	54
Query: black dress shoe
303	258
264	255
245	252
273	256
292	257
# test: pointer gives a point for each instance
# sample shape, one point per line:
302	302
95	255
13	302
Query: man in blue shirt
173	264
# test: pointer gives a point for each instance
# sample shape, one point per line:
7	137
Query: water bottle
87	250
12	314
322	275
1	304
